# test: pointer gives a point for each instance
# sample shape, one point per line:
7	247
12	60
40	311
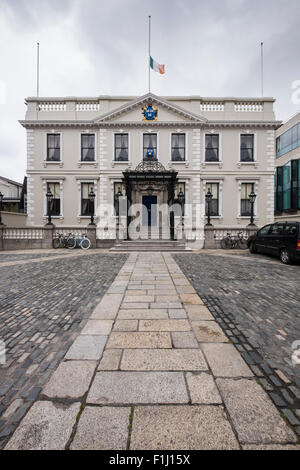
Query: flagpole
149	51
262	68
38	71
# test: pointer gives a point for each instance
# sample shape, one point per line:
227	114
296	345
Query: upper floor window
87	147
212	147
246	190
150	147
53	147
55	202
87	206
121	147
214	205
288	141
178	148
247	148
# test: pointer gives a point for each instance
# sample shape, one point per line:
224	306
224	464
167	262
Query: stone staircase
149	245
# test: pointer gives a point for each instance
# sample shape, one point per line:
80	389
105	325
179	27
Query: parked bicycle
64	241
238	241
82	241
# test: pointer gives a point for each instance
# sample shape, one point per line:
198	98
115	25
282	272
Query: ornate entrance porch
150	191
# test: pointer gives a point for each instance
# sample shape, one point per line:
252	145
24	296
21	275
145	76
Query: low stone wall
213	235
14	219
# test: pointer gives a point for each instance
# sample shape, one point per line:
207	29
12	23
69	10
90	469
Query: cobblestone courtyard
43	306
147	366
256	300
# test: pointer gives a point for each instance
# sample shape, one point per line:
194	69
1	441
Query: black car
281	239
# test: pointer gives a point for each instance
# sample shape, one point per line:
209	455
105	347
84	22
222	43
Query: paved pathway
151	369
45	300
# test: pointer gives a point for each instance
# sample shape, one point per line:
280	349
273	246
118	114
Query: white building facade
183	148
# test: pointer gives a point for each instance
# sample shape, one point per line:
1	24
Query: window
214	205
87	207
121	147
288	141
55	203
295	184
290	229
246	190
178	148
277	229
211	147
53	147
264	231
87	147
247	147
150	147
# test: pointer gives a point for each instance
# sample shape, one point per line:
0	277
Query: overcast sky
93	47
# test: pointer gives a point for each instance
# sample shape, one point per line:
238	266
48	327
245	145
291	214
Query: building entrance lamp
181	202
49	197
208	199
252	197
1	199
92	196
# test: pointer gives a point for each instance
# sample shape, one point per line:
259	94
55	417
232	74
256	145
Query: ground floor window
55	202
87	206
214	205
246	190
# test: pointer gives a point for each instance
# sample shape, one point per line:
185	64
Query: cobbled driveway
256	300
43	306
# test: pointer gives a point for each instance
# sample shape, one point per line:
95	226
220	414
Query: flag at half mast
157	67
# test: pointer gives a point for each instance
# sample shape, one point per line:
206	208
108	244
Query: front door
149	211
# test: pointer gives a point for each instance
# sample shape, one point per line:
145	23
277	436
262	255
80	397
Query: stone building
155	151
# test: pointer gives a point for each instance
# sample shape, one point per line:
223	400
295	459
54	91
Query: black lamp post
92	196
1	199
181	201
208	198
252	197
49	197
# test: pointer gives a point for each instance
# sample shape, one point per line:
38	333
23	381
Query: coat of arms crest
149	112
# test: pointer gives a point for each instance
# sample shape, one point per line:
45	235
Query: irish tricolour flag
157	67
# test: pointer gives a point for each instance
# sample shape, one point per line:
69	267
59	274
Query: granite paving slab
163	359
137	387
255	418
208	332
47	426
87	347
70	380
181	428
139	339
164	325
202	388
225	361
104	428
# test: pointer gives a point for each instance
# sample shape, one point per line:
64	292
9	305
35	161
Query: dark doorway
149	211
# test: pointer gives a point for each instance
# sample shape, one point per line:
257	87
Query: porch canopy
150	171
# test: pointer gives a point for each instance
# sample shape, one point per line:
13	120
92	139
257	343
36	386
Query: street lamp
92	196
208	198
180	197
252	197
49	197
